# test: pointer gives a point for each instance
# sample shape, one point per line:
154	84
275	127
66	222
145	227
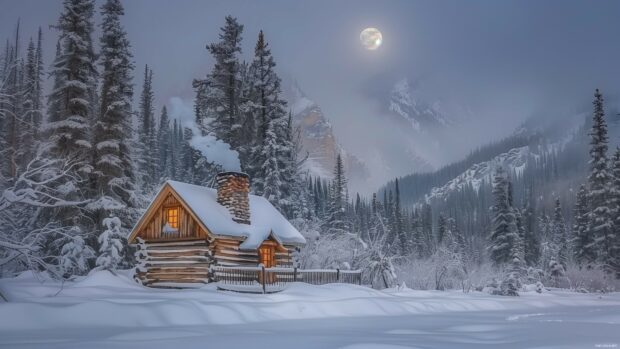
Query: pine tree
501	239
11	110
217	96
601	224
270	170
560	239
441	228
148	152
113	169
164	147
336	220
615	212
174	150
68	129
74	70
399	228
583	238
531	240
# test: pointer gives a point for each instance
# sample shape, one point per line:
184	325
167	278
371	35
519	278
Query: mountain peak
421	115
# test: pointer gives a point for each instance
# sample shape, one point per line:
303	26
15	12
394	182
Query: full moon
371	38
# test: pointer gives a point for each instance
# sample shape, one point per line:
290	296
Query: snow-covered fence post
337	274
295	274
263	278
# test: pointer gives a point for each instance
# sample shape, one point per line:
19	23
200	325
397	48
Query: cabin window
172	217
267	256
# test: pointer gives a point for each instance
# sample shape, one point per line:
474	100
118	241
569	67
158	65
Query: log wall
186	262
226	252
182	263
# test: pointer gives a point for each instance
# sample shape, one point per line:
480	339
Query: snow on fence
273	279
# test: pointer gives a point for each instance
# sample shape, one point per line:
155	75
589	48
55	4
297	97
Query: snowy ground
103	311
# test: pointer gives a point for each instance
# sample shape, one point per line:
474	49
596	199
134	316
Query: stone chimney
233	190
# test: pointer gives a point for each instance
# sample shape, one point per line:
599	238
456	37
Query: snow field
103	300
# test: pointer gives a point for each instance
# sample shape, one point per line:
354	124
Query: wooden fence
272	279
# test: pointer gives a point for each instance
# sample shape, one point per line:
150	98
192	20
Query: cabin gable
168	218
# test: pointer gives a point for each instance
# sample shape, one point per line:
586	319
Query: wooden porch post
263	279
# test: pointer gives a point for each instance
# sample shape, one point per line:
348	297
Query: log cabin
189	228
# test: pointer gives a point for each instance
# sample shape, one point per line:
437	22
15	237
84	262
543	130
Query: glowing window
267	256
172	217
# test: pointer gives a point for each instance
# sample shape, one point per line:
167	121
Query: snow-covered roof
265	218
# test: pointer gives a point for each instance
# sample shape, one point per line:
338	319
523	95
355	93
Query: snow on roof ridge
265	219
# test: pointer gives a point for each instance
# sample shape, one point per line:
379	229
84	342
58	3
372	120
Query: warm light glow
267	256
172	217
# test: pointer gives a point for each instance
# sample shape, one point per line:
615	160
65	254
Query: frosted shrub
111	246
440	272
593	279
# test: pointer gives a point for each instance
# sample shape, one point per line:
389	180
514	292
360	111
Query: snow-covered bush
110	244
74	256
593	279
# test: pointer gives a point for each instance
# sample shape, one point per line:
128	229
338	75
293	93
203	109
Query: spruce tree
113	169
615	213
599	180
69	121
148	152
74	70
336	220
501	239
399	229
560	240
583	237
218	96
441	228
163	144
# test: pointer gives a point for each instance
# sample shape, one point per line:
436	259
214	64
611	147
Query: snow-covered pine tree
427	240
615	212
501	237
37	97
217	96
531	241
336	220
399	229
110	244
113	173
148	169
583	237
31	119
163	140
560	239
599	180
75	72
271	181
68	129
11	110
441	228
174	150
187	162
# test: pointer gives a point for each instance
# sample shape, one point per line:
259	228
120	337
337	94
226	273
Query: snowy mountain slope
514	160
318	139
420	114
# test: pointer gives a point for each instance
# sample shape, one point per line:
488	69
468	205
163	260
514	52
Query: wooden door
267	257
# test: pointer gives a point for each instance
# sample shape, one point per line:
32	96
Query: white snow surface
104	310
265	219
